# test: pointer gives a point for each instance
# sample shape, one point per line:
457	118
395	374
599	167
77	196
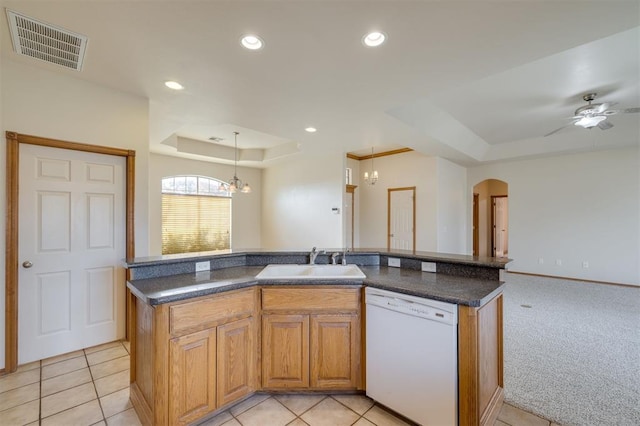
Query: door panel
500	226
236	360
334	351
192	361
53	307
285	351
401	218
72	231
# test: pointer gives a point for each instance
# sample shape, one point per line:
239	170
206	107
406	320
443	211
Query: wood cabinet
311	338
335	351
236	366
285	351
191	358
480	363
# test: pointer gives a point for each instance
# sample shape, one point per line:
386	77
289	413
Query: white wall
396	171
451	204
246	217
297	198
572	208
53	105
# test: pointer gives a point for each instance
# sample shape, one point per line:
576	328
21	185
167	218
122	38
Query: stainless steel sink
311	272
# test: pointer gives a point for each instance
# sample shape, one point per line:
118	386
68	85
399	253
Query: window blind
195	223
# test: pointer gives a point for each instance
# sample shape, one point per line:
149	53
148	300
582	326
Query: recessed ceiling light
311	129
252	42
374	39
173	85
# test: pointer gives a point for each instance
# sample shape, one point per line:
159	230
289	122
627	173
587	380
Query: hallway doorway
490	226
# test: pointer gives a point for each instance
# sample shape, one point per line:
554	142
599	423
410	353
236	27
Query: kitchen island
203	341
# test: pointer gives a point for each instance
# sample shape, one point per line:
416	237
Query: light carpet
573	356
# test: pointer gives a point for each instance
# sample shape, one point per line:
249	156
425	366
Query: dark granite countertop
446	288
453	289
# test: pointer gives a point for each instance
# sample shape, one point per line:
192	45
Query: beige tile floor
91	387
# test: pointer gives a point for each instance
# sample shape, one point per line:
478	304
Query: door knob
27	264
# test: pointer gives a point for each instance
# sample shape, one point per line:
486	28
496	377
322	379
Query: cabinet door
285	351
192	363
335	356
236	360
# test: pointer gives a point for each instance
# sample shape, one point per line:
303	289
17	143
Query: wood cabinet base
480	364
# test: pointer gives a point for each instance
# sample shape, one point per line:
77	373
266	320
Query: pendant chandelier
236	184
371	177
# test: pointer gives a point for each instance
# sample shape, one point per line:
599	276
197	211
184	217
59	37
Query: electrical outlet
540	261
393	262
203	266
428	267
558	262
585	264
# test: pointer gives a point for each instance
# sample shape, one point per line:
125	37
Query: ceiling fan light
590	121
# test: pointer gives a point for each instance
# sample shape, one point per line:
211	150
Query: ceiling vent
46	42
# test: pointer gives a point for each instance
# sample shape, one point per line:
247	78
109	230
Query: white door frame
413	198
11	252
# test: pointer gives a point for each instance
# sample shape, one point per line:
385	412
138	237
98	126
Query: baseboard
574	279
140	405
492	411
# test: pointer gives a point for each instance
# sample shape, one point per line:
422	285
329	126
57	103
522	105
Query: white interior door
71	282
501	226
401	219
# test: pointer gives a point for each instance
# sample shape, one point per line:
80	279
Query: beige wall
573	208
397	171
297	200
60	106
451	205
245	221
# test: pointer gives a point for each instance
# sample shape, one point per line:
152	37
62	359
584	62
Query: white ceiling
470	81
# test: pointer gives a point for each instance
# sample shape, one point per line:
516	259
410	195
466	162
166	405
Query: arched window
196	214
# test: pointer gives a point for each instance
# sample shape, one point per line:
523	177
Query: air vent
46	42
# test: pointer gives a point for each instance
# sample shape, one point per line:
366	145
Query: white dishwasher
412	356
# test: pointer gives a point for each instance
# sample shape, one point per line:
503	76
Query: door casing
413	198
12	219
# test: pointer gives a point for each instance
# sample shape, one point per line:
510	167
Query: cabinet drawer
310	299
212	310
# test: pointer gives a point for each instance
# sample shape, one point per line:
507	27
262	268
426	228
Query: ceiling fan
595	115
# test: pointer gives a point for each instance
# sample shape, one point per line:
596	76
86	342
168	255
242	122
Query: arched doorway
491	218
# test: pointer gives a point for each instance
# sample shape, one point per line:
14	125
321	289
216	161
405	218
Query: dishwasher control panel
411	305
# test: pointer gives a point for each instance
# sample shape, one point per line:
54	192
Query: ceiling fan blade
559	128
603	107
622	111
605	124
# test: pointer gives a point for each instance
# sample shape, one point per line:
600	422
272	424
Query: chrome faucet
313	255
344	256
334	257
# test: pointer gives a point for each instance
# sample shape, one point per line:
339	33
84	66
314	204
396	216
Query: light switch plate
428	267
393	262
203	266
